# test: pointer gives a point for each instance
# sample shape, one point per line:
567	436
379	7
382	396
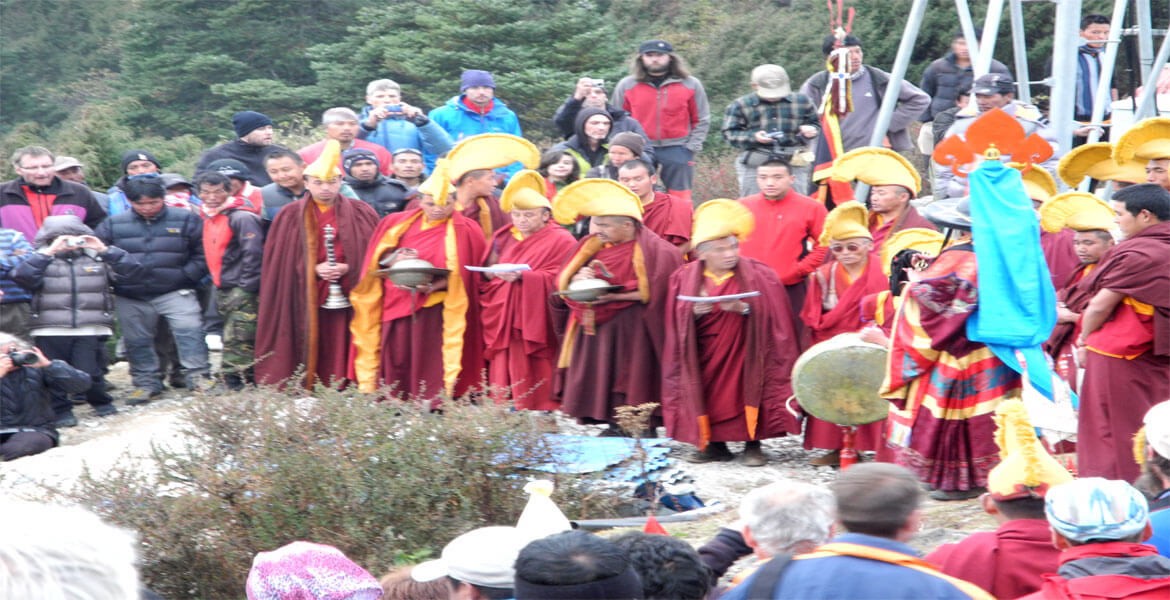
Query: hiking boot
105	410
753	455
828	459
141	396
951	495
714	452
65	420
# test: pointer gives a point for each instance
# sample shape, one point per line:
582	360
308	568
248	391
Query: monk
666	215
293	331
893	183
1010	561
1091	220
520	336
833	306
1057	246
613	346
1124	341
943	386
426	342
727	365
788	226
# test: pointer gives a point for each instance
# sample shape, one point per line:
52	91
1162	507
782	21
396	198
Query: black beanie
247	121
134	155
353	155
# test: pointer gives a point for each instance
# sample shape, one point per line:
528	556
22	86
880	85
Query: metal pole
1065	37
1146	103
1145	39
1103	95
894	87
1020	51
968	28
990	31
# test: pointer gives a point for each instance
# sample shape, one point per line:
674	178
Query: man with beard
613	345
726	365
293	330
520	335
253	142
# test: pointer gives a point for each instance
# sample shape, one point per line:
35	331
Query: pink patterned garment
308	571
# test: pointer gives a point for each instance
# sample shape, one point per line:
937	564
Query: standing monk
788	226
943	386
425	341
293	330
893	183
666	215
518	329
469	166
833	306
1124	341
613	346
1092	221
727	366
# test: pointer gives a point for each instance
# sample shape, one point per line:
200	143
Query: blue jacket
460	122
14	250
169	247
858	578
396	134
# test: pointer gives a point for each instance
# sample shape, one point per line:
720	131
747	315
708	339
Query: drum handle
788	405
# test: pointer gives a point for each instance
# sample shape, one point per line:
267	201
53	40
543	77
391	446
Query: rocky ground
100	443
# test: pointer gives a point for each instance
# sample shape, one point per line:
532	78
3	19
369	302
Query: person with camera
26	379
393	124
70	276
770	122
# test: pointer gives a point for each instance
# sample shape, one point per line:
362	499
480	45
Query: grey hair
61	552
338	113
20	153
786	514
382	85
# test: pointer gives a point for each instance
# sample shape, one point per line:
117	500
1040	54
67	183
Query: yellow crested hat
921	239
1079	211
877	166
1025	468
1147	140
1038	183
1096	161
328	164
719	218
595	198
490	151
525	191
848	220
438	185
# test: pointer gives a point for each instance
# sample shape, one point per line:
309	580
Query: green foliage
382	482
536	50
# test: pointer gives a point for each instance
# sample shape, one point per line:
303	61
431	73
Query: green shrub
384	482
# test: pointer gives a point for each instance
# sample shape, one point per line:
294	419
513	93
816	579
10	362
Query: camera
23	358
598	83
75	242
776	135
394	111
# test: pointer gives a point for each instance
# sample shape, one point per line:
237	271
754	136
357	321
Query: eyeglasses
850	247
36	168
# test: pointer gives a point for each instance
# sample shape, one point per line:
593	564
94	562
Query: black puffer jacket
169	247
72	289
384	194
24	396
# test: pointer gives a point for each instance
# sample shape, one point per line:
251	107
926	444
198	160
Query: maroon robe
618	364
1060	342
485	211
292	330
1117	392
909	219
726	376
519	333
1060	255
845	317
1007	563
670	217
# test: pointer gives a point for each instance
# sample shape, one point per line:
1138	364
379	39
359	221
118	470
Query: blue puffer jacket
460	122
169	248
396	134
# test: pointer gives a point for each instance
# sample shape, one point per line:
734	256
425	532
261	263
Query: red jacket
674	114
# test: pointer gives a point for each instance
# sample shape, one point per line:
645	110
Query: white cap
482	557
1157	422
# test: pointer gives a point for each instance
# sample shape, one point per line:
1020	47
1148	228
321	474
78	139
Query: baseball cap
481	557
66	162
655	46
229	167
1157	424
771	82
993	83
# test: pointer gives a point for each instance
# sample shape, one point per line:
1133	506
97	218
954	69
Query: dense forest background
93	78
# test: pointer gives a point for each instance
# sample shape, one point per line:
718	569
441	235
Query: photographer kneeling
26	377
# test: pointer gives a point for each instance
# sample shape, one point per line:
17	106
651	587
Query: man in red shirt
788	226
341	125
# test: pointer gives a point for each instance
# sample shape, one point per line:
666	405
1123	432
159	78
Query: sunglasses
850	247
